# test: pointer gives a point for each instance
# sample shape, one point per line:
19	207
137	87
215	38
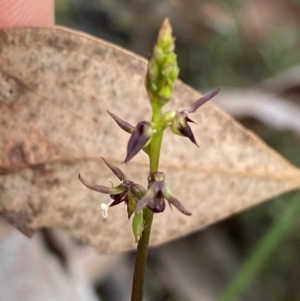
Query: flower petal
118	198
121	123
137	190
187	132
119	173
139	138
173	201
102	189
189	120
202	101
157	204
131	205
143	202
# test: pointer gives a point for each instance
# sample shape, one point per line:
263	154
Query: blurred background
251	49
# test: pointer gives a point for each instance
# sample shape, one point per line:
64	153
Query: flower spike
162	70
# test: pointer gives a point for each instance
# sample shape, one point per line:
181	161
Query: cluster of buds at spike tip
128	192
157	193
178	120
162	69
140	137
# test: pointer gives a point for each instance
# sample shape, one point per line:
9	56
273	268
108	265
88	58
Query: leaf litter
56	87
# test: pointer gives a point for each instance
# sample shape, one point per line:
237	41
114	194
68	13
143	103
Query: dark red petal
138	139
187	132
189	120
119	198
157	204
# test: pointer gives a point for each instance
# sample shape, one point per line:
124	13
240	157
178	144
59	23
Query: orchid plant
142	202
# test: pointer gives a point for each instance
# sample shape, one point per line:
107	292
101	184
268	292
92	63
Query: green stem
141	259
142	248
156	139
155	151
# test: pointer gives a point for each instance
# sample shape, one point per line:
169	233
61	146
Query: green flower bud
165	40
162	67
165	92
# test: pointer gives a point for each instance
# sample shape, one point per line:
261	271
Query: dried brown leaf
56	86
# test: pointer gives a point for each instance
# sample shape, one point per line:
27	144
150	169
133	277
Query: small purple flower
178	120
155	196
127	192
139	139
